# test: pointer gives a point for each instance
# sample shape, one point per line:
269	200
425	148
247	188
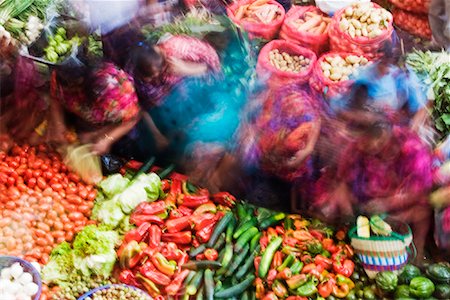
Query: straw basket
384	253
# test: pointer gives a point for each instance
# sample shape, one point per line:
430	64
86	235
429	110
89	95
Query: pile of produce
434	69
43	202
363	28
340	68
15	283
414	6
59	46
312	22
285	62
117	291
415	24
261	11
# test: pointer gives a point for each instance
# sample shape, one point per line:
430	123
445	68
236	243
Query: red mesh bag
415	24
415	6
255	29
341	41
285	127
324	86
316	42
276	77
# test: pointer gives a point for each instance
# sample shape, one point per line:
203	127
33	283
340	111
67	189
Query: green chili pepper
267	256
287	262
296	267
307	290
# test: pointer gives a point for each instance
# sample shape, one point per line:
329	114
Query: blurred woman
385	169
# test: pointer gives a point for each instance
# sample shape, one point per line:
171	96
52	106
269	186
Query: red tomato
41	183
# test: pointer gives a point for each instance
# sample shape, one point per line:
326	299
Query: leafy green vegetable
109	212
113	185
60	259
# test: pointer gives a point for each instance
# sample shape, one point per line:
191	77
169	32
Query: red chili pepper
171	251
183	259
308	268
326	288
127	277
177	225
154	236
204	234
133	165
175	213
137	234
296	298
208	207
211	254
321	260
224	198
178	176
154	208
271	275
161	263
280	230
345	268
277	259
263	242
328	244
192	201
173	288
260	290
175	190
271	233
195	242
201	221
139	219
256	263
317	234
183	237
165	185
285	274
306	259
185	211
270	296
155	276
289	241
200	256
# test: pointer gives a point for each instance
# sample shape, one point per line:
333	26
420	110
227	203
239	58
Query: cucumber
220	227
201	264
220	242
230	230
244	227
268	256
194	285
244	238
237	289
272	220
201	293
196	251
209	285
237	261
166	172
255	241
243	270
226	259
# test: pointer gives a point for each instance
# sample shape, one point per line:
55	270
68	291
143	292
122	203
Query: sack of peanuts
307	26
362	29
332	73
415	6
281	63
260	18
414	24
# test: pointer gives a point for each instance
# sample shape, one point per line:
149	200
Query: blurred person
102	102
385	169
439	18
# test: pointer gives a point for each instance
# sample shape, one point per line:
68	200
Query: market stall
261	88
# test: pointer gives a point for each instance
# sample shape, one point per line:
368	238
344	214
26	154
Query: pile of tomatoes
43	202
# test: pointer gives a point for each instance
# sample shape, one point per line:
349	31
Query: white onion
16	270
31	288
25	278
6	273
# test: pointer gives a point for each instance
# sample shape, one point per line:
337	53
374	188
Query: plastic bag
277	78
316	42
415	6
111	164
330	7
257	30
341	41
324	86
284	127
414	24
84	163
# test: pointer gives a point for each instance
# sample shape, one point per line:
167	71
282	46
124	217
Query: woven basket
384	253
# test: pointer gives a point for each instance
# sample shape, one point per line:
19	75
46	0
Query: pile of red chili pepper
300	260
152	255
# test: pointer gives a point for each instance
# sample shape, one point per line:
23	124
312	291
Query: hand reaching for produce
302	154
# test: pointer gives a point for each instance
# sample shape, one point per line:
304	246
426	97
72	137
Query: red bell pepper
177	225
224	198
192	201
201	221
285	274
263	242
137	234
256	262
161	263
211	254
204	234
175	213
280	230
279	289
175	190
155	276
277	260
165	185
173	288
317	234
326	288
183	237
289	241
154	236
179	177
270	296
271	275
208	207
138	220
345	268
328	244
171	251
127	277
185	211
321	260
154	208
200	256
296	298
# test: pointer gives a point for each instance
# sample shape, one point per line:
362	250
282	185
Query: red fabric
415	24
415	6
316	42
277	78
257	30
324	86
341	41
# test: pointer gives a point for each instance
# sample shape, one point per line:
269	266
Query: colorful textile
111	97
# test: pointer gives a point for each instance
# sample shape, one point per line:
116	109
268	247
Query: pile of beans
119	292
289	63
43	203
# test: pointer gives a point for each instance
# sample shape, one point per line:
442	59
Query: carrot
319	29
311	23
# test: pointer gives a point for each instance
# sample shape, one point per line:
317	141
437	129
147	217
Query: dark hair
144	60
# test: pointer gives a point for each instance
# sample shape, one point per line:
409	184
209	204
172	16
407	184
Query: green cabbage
109	212
56	270
114	185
